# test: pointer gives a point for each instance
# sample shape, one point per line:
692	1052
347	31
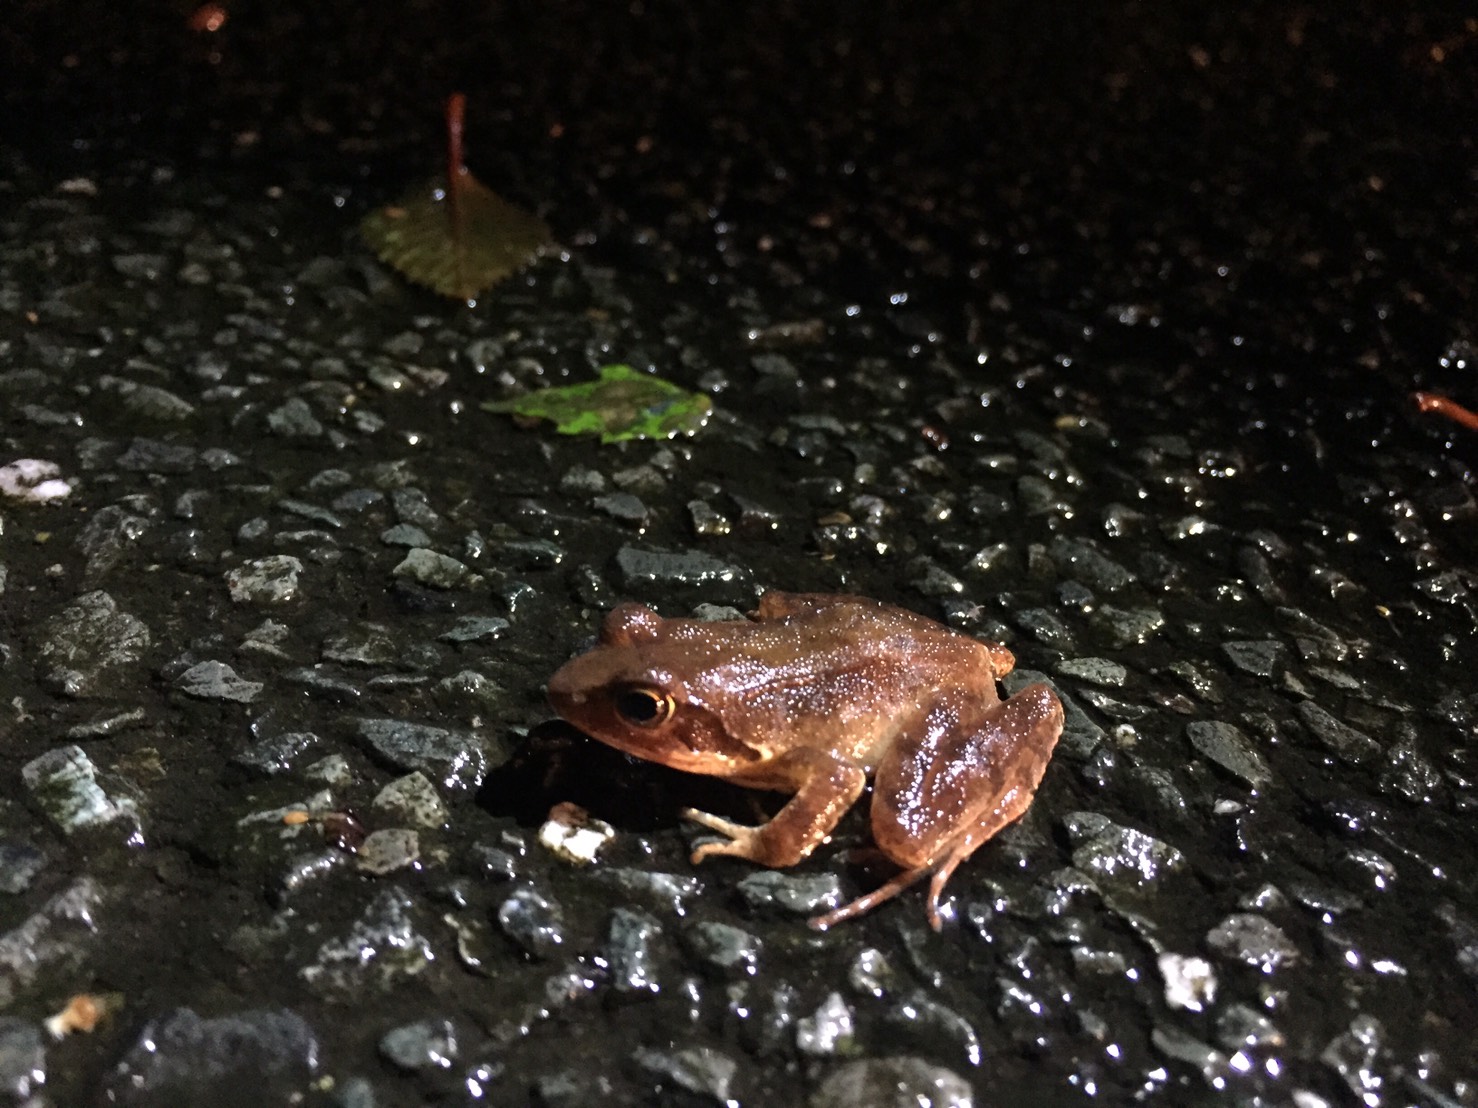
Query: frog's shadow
559	764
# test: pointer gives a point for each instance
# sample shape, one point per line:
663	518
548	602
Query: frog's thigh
961	774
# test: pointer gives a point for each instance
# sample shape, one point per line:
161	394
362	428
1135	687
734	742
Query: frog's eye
645	707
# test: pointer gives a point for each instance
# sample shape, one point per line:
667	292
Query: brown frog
812	695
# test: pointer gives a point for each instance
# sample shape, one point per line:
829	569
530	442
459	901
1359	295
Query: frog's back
837	672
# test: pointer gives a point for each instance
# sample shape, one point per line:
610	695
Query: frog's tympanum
813	695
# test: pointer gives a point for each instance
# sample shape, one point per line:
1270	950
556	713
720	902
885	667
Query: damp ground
1093	333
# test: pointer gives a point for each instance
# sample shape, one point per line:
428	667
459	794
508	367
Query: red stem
456	169
1431	402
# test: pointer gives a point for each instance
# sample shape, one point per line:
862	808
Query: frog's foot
743	841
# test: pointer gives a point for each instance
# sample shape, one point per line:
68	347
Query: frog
813	695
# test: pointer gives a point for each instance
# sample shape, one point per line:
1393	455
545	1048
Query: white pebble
33	481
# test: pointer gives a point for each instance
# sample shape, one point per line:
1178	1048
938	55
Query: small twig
1431	402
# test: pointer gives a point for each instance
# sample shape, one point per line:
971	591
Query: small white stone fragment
33	481
573	835
1190	982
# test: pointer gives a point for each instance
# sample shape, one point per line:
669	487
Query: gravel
1094	336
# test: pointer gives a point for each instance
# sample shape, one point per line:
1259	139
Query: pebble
582	481
1226	746
357	501
871	974
1098	671
90	645
405	534
217	681
63	783
1128	627
153	456
20	862
1190	982
453	759
412	799
383	946
1239	1027
624	506
112	532
706	521
1355	1055
363	644
105	723
725	951
1114	854
643	568
277	754
294	419
830	1030
33	481
22	1060
672	892
1254	940
411	506
533	921
928	578
630	951
1180	1045
265	581
388	850
1263	658
149	401
181	1058
53	938
798	894
573	835
475	629
429	1044
427	567
574	1088
1046	627
700	1070
1037	496
892	1082
1353	746
1090	565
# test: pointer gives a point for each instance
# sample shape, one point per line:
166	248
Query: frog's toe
717	823
739	840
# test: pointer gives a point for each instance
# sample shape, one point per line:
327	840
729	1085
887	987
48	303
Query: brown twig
1431	402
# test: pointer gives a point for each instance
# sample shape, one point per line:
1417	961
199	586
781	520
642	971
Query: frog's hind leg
864	904
953	782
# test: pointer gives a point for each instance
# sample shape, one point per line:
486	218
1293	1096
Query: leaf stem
456	167
1431	402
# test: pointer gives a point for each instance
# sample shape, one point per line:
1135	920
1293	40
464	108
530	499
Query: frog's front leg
957	777
825	786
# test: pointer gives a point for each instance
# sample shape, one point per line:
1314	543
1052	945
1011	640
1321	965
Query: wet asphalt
1089	332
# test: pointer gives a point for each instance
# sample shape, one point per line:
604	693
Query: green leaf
458	241
623	404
